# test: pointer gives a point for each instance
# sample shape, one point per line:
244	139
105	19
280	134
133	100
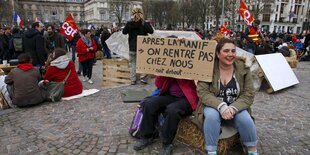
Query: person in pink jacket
177	98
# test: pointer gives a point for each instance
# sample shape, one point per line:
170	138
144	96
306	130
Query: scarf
86	41
25	66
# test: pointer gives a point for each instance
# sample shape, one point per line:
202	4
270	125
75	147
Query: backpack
136	121
18	44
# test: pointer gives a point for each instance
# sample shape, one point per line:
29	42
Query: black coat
133	29
33	43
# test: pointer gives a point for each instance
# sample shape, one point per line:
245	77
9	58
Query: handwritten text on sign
188	59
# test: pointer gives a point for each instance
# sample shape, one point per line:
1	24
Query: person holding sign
177	98
227	99
134	28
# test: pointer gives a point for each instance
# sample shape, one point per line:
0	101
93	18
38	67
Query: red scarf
25	66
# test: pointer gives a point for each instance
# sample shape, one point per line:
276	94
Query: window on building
266	17
296	11
282	8
267	8
298	30
276	18
298	1
277	8
281	19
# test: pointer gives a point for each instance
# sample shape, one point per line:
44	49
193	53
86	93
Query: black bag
55	90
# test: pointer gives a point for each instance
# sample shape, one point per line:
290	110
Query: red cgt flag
69	28
245	13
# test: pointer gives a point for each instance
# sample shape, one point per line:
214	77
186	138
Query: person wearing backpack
16	43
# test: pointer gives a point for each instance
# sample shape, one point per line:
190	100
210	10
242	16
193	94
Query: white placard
277	71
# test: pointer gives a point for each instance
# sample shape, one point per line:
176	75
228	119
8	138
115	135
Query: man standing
6	37
253	37
138	26
53	39
33	43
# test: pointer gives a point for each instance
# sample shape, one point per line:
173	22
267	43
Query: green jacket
207	91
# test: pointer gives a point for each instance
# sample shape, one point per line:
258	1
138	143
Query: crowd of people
42	55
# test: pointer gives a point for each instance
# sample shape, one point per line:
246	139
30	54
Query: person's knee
244	119
211	114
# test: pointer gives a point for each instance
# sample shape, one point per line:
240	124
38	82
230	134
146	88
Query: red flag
245	13
69	28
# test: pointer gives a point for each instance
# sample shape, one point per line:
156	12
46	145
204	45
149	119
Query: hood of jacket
31	33
61	62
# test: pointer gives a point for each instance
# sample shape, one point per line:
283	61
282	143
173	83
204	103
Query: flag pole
13	10
223	5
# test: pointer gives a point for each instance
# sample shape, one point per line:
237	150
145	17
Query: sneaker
84	78
143	81
212	153
252	153
143	143
166	150
133	83
90	81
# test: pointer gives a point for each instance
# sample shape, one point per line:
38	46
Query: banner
69	28
172	57
245	13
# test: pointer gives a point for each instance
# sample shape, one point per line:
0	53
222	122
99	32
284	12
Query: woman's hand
228	114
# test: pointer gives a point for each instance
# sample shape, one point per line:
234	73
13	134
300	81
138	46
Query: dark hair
35	24
256	21
85	31
221	43
50	25
15	30
24	58
172	36
59	52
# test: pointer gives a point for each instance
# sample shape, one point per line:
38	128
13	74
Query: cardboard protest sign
277	71
186	59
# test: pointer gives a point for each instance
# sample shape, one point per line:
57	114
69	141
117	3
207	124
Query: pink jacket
188	87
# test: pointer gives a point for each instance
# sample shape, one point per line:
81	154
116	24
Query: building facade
282	16
85	12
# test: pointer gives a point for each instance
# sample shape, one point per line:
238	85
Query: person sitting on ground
59	66
22	83
177	99
227	99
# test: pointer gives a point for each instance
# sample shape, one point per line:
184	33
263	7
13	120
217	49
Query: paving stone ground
98	124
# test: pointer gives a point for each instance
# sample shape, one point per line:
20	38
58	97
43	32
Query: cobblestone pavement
98	124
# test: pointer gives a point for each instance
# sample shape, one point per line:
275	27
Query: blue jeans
107	52
242	121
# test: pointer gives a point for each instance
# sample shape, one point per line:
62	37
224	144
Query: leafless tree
6	12
118	8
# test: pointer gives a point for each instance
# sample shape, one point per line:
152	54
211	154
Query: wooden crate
99	55
116	71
